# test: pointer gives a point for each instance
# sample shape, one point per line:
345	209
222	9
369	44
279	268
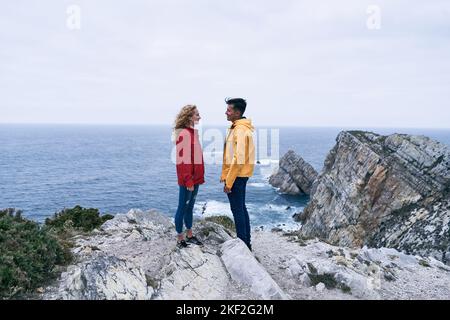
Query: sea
45	168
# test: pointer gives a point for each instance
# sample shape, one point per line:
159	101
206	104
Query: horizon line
218	125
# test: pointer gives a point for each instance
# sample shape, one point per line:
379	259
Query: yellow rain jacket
238	152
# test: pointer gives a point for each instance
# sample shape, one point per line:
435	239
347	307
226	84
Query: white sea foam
257	184
213	208
278	208
266	162
267	216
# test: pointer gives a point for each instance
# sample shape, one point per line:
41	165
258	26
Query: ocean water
46	168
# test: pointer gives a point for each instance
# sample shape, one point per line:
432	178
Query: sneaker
182	244
194	240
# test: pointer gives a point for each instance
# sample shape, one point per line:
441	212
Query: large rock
300	266
383	191
104	278
134	256
192	274
244	269
294	176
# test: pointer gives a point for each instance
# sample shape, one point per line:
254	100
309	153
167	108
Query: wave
258	184
213	208
265	216
266	162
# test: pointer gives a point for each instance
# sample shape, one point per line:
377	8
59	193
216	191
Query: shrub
28	254
223	221
77	218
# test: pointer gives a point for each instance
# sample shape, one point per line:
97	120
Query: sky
349	63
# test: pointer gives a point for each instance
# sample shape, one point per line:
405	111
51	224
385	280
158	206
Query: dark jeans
239	209
186	203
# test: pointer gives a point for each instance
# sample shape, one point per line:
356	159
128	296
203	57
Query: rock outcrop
244	269
134	256
383	191
294	176
311	269
104	278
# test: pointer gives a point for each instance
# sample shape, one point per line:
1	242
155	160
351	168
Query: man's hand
190	188
226	189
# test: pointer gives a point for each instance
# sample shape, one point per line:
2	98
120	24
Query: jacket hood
243	122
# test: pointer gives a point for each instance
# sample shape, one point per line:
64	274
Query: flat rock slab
244	268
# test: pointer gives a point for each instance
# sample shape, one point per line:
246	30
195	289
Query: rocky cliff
294	176
383	191
134	256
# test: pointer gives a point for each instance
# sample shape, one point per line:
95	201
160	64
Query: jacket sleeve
185	164
239	144
225	170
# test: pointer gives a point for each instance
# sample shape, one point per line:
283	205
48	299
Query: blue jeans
186	203
239	210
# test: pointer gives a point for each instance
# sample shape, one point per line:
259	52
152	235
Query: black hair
238	104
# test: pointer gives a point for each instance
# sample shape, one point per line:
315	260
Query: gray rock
151	220
320	287
243	268
366	273
304	280
447	257
383	191
192	274
104	278
135	257
215	233
294	175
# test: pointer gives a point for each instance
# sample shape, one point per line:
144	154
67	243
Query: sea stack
294	176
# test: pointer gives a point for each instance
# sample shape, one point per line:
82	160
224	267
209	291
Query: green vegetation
327	279
223	221
297	237
424	263
77	218
30	253
152	282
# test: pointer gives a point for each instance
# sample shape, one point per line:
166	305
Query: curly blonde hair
183	120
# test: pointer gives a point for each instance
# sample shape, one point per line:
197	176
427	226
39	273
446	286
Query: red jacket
190	166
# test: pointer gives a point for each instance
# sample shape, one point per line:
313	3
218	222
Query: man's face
232	114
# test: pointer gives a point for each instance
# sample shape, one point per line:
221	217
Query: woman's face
195	117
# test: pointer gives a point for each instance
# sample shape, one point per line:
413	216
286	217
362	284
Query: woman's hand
190	188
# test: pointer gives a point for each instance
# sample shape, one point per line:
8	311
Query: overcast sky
300	63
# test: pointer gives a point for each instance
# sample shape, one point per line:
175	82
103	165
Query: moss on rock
224	221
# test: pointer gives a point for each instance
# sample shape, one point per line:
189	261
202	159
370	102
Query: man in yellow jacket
238	165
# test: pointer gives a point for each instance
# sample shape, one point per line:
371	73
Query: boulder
243	268
294	176
104	278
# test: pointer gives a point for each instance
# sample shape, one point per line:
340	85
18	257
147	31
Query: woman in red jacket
190	171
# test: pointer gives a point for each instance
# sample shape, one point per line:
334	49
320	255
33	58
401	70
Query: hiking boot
194	240
181	244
